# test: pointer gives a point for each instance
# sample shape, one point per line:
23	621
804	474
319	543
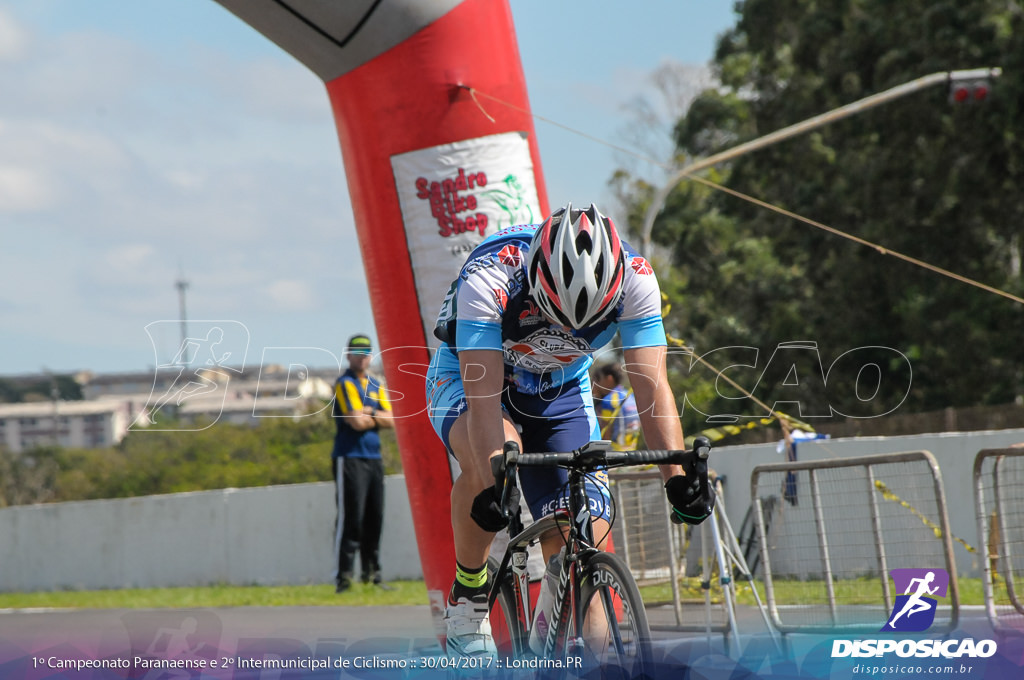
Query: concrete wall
954	452
283	534
268	535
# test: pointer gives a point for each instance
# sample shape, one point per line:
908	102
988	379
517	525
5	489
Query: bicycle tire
518	630
628	642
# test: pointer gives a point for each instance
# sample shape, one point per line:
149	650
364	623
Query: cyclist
518	326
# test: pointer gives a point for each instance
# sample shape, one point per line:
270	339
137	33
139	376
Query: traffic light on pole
969	91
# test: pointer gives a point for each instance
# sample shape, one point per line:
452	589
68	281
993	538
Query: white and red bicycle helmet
576	266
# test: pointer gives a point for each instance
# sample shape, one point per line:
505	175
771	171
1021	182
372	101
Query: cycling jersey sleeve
482	299
477	335
645	332
640	323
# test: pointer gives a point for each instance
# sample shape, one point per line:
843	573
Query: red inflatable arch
429	174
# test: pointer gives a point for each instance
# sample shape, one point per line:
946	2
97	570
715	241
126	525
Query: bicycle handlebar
598	455
608	459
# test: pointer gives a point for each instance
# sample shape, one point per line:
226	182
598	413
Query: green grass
404	593
415	593
861	591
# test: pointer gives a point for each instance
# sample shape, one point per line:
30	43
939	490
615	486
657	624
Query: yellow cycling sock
467	579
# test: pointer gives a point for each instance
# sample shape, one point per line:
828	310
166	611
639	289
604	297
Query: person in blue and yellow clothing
616	409
361	409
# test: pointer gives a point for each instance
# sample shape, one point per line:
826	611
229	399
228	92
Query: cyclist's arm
483	375
655	402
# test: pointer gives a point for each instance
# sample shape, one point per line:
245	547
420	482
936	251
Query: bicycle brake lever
501	466
702	447
498	470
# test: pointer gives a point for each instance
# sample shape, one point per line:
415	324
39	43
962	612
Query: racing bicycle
597	615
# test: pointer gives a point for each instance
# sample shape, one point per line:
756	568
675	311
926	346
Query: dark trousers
360	496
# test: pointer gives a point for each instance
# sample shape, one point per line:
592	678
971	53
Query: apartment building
116	401
72	424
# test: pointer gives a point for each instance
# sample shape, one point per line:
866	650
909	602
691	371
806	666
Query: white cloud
130	257
131	147
186	179
58	171
291	295
13	38
23	189
276	89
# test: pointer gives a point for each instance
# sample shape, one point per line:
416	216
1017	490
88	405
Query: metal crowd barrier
830	532
658	551
999	504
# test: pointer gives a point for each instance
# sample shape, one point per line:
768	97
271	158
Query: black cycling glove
486	510
688	505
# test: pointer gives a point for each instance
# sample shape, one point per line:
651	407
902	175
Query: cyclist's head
575	267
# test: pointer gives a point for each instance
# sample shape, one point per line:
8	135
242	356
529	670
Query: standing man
361	408
616	409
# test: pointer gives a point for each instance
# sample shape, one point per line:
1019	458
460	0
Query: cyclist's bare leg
595	631
472	544
468	631
596	628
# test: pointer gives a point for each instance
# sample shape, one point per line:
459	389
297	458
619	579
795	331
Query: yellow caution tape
722	431
888	495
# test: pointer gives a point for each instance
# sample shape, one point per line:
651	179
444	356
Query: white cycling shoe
468	628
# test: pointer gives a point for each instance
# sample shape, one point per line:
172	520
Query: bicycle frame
516	558
579	544
575	524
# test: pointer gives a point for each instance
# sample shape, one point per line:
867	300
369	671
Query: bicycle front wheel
615	630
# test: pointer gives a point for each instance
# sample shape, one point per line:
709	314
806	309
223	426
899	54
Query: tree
41	388
27	478
920	176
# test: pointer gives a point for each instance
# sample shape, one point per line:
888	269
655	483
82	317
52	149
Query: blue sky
140	138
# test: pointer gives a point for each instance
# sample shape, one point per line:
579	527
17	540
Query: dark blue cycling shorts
560	420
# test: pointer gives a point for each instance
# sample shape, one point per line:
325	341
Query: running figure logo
914	611
198	368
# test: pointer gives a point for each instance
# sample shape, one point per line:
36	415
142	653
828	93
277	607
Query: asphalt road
245	644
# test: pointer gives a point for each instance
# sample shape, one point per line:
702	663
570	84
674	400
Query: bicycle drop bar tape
608	458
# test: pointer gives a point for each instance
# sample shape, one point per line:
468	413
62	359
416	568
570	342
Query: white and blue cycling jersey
547	384
489	307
